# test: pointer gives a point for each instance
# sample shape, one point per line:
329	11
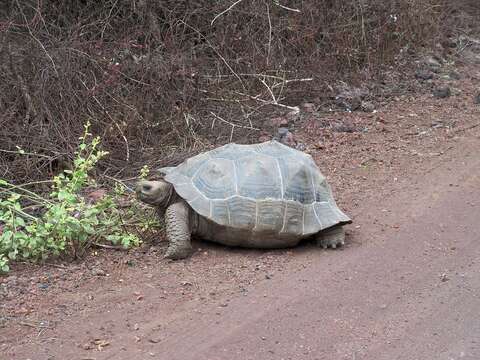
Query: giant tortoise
265	195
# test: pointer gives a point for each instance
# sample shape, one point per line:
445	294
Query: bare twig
19	152
112	247
231	124
122	182
246	74
269	90
257	98
269	47
226	10
286	81
285	7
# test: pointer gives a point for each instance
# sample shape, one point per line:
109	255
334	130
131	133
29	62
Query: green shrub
68	222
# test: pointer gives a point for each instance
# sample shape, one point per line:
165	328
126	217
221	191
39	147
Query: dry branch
233	125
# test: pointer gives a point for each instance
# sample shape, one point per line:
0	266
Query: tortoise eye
146	187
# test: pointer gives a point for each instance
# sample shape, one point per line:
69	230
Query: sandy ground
406	286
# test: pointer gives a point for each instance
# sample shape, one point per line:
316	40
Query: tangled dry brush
159	78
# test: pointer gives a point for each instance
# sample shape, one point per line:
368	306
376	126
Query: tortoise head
156	193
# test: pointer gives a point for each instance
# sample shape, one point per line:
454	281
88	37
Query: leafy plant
69	222
144	172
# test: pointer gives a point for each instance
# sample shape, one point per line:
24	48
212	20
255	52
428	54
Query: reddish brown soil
406	286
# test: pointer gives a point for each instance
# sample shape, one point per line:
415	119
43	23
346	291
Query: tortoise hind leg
331	237
178	231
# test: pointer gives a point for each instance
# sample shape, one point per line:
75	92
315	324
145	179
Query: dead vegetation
161	79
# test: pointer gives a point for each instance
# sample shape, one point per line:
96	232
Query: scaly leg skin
178	231
331	237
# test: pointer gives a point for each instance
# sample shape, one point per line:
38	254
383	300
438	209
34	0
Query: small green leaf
19	222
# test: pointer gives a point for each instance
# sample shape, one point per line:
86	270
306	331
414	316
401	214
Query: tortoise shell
266	187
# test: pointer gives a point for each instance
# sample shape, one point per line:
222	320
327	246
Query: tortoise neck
172	196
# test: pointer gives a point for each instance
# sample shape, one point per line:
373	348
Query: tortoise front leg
331	237
178	231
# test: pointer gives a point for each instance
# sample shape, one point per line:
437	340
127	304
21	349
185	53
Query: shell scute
293	218
270	215
297	181
215	179
257	177
242	212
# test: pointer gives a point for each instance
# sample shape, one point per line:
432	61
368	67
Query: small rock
455	91
476	99
351	104
437	124
351	99
432	62
154	340
345	127
367	106
101	343
442	92
98	272
423	75
286	137
283	131
43	286
300	147
444	277
454	75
